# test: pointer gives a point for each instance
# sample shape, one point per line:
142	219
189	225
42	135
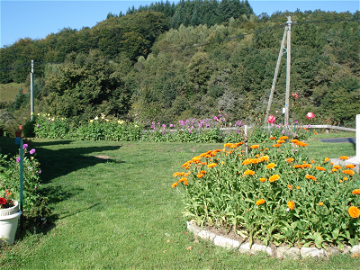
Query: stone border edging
281	252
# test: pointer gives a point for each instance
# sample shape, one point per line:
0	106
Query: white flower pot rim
11	210
11	216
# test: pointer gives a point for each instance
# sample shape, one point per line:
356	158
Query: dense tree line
137	65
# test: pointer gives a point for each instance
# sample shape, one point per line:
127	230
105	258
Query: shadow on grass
56	163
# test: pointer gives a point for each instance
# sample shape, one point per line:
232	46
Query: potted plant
9	217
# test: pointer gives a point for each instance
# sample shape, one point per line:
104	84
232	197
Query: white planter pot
9	219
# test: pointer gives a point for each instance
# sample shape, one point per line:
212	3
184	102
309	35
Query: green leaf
318	240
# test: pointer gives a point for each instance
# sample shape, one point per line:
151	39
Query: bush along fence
214	130
276	194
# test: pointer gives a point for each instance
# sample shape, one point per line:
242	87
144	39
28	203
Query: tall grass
113	207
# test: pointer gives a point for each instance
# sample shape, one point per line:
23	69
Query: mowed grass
114	208
9	91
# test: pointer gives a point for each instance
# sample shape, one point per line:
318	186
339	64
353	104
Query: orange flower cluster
271	166
274	178
291	205
356	191
249	172
348	172
354	212
260	202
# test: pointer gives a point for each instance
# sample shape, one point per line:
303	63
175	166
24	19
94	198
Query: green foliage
36	210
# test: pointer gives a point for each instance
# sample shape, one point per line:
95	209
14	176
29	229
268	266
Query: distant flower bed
213	130
276	194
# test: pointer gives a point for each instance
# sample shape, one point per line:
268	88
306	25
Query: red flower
310	115
2	201
271	119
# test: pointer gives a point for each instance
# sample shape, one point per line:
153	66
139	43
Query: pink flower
310	115
18	159
295	95
32	151
271	119
25	146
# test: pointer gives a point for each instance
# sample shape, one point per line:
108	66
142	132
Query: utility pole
275	76
32	90
288	66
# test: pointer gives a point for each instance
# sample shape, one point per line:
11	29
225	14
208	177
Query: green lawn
113	207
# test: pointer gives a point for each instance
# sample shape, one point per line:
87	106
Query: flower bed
276	194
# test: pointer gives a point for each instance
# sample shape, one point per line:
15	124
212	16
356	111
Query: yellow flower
255	146
211	165
271	166
182	179
228	145
354	212
291	205
320	203
199	175
274	178
345	178
297	187
246	162
260	202
289	160
326	159
343	157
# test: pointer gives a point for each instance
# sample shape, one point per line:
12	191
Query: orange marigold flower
265	158
356	191
174	185
312	161
249	172
334	170
186	164
187	174
196	158
340	181
266	149
291	205
289	186
326	159
354	212
228	144
320	203
271	166
338	167
272	138
284	138
260	202
254	161
276	145
344	157
186	182
255	146
297	187
183	179
246	162
320	168
262	179
306	166
310	177
350	166
211	165
178	174
294	141
297	166
203	172
274	178
280	141
199	175
345	178
348	172
289	160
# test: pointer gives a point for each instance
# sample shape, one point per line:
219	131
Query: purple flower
32	151
219	115
158	123
38	125
296	121
288	133
163	125
207	125
171	125
215	118
25	146
40	171
18	159
283	131
189	130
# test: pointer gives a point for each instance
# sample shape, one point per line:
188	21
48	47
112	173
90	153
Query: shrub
276	194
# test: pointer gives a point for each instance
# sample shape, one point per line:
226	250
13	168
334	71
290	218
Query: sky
37	19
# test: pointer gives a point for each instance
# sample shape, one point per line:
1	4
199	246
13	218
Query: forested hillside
145	66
